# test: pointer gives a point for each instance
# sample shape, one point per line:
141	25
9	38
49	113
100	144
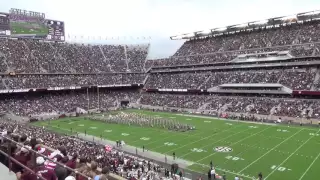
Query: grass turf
279	152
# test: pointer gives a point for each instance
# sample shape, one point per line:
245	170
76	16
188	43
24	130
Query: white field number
253	127
313	134
282	130
145	138
234	158
279	168
169	144
125	134
197	150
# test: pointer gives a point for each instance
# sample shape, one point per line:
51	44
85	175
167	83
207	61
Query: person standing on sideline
180	175
213	173
174	155
165	159
209	174
224	176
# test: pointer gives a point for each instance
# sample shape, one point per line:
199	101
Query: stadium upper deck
273	60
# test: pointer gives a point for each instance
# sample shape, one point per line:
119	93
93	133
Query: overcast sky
158	19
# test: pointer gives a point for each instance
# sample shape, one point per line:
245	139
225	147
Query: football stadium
235	147
237	102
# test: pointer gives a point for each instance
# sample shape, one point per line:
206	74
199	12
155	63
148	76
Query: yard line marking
183	155
270	150
147	136
250	146
290	155
224	170
309	167
151	142
234	143
172	135
200	139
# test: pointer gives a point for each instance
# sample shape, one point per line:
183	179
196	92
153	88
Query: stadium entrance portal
124	103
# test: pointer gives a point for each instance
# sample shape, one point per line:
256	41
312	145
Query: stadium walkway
5	174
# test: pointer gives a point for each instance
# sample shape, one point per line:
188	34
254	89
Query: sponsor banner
174	90
4	91
15	90
63	88
116	85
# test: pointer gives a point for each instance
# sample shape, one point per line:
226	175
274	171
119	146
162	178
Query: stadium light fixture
208	31
240	25
310	13
178	37
189	35
221	29
289	17
174	38
260	22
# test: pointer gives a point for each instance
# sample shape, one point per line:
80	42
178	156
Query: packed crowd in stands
102	64
32	56
66	150
63	102
252	105
218	57
47	81
66	102
297	79
285	35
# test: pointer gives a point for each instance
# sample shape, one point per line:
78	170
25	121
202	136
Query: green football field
278	151
28	28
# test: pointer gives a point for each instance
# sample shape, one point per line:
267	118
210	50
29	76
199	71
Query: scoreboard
4	25
55	30
27	24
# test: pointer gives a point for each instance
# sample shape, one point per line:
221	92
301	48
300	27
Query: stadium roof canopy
267	23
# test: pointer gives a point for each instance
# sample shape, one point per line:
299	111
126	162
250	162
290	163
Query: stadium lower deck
234	147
